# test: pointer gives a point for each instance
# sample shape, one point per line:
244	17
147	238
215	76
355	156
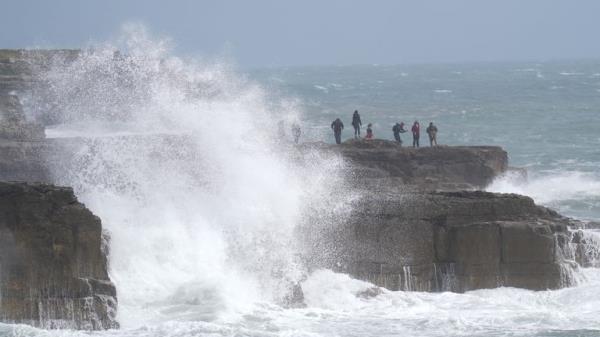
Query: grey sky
280	32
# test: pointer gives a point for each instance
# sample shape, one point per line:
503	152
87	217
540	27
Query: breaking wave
183	163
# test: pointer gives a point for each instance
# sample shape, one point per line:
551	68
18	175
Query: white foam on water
321	88
335	310
328	290
570	73
550	187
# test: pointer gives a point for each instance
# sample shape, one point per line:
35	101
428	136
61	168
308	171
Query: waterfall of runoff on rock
181	161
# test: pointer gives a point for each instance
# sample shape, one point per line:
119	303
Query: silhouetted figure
296	132
432	132
398	129
416	131
337	127
369	132
356	123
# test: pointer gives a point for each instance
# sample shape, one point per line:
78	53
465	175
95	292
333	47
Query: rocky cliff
421	223
447	241
385	163
23	149
53	267
18	67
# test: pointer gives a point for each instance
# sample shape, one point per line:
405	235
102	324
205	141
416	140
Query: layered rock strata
53	266
22	147
447	241
385	163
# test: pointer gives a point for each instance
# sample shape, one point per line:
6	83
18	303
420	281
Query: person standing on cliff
416	131
337	127
356	123
432	132
398	129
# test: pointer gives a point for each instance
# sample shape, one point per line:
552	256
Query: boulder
53	265
446	241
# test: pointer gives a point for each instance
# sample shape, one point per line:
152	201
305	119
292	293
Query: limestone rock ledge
448	241
385	163
53	264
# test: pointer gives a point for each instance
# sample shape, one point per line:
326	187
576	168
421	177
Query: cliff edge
381	162
53	266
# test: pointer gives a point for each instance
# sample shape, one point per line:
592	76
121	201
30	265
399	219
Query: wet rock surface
53	266
386	163
420	223
53	253
448	241
13	123
22	147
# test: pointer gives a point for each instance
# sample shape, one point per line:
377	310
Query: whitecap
566	73
322	88
551	189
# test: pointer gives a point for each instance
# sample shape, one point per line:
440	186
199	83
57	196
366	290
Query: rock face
22	147
53	267
25	161
415	228
13	124
382	162
18	66
448	241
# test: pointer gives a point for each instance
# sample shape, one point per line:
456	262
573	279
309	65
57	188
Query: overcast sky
306	32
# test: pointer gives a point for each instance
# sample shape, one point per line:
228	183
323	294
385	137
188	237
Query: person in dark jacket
356	123
416	131
432	132
337	127
398	129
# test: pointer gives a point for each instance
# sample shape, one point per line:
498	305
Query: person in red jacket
416	131
369	132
